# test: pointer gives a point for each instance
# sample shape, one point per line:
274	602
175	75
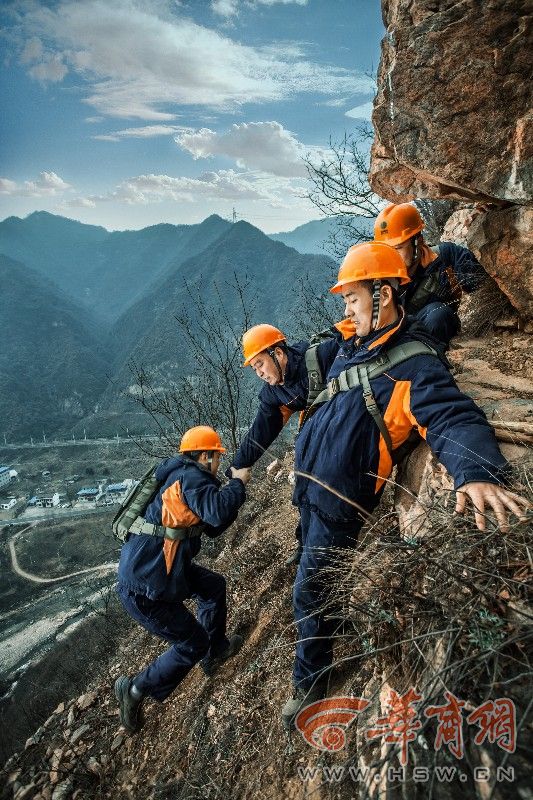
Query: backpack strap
314	374
141	527
362	374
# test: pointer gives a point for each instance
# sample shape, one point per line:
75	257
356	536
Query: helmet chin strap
416	251
272	353
376	297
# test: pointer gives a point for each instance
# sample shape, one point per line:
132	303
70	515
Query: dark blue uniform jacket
190	494
456	269
278	403
341	447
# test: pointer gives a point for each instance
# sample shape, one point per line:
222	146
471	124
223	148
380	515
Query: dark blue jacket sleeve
266	426
457	430
216	506
468	271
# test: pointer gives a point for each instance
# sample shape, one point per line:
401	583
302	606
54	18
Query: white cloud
48	184
144	132
7	186
33	50
361	112
79	202
53	70
210	186
228	8
139	62
265	146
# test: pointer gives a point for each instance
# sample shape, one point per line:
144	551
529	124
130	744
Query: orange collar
387	335
346	327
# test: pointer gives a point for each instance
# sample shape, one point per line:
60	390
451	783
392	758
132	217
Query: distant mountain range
314	236
79	304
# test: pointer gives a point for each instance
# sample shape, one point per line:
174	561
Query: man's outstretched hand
487	496
243	474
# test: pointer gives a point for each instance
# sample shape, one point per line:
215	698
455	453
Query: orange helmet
260	338
370	261
202	437
397	223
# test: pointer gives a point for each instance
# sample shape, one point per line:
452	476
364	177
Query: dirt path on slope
111	565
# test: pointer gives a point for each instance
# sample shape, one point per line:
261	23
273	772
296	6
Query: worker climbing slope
157	573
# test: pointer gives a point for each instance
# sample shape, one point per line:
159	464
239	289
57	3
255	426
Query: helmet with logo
397	223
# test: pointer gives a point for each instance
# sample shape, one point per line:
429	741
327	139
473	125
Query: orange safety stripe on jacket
286	413
346	327
399	421
174	514
388	334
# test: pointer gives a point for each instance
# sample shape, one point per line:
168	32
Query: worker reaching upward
290	371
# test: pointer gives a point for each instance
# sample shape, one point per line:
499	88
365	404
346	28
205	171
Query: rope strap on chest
362	374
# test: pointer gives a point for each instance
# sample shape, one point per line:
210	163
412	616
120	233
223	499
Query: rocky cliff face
453	119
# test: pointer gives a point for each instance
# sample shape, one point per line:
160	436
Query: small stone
86	700
47	793
71	717
24	791
291	477
521	344
79	732
60	709
94	766
62	790
117	741
528	326
274	467
506	323
13	777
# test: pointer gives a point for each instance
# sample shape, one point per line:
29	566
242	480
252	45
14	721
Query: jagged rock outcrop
453	119
452	115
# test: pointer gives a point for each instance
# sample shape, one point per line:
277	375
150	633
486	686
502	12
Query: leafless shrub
214	393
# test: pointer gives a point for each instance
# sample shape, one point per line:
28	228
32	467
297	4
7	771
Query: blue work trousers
191	639
440	320
313	602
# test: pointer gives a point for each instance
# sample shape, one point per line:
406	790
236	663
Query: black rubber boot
295	557
129	706
210	664
300	699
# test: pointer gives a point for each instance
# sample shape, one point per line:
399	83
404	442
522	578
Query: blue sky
129	113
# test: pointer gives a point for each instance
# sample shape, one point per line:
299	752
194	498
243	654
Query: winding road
111	565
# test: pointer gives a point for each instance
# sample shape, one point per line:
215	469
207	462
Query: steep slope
55	368
221	737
